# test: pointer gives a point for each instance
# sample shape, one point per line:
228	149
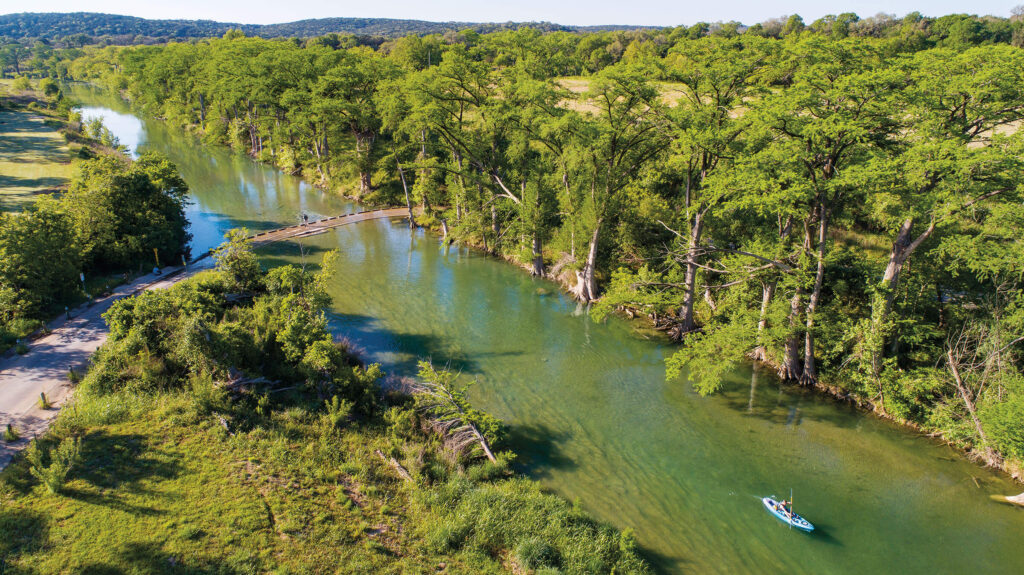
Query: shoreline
866	406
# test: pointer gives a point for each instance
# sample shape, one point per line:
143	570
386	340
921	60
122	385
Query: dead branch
396	465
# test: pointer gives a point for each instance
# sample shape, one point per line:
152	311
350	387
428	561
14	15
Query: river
593	418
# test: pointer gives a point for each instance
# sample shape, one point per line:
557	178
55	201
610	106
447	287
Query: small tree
464	429
61	461
236	258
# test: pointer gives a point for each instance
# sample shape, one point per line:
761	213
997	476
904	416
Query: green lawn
34	158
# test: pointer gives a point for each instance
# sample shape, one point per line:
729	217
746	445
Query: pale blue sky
579	12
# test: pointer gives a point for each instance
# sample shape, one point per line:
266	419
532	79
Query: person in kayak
786	507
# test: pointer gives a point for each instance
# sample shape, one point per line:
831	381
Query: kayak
792	520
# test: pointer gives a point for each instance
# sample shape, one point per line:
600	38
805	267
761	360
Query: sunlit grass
34	157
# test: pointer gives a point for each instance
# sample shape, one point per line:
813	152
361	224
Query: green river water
593	418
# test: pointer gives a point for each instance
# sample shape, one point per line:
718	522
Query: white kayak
791	519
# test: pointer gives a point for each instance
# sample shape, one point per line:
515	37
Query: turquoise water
592	415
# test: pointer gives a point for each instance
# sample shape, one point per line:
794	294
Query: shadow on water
283	253
537	449
765	397
405	350
662	563
253	226
823	533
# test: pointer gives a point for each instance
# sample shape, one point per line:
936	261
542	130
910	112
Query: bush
338	412
21	84
61	461
11	434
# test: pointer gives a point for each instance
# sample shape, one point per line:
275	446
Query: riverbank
566	279
209	465
593	418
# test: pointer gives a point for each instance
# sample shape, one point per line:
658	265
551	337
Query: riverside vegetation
221	429
843	207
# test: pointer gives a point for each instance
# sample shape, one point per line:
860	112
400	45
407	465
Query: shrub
61	461
338	412
11	434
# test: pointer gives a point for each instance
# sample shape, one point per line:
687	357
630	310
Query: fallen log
394	463
1011	499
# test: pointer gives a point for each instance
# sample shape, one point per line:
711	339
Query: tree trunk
364	147
686	320
902	248
405	188
810	373
538	256
495	227
989	454
790	368
760	353
586	286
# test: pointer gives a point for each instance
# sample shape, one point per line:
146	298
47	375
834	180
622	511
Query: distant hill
58	25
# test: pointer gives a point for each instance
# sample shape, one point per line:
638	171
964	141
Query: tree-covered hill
59	25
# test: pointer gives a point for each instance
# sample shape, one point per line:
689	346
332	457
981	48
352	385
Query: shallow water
592	415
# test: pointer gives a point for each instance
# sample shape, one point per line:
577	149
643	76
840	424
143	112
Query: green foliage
236	259
837	198
122	211
337	413
52	467
539	529
49	87
266	463
708	357
535	553
442	398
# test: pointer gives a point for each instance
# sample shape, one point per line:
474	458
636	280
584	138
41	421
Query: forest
132	30
843	206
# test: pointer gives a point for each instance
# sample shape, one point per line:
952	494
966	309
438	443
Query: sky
571	12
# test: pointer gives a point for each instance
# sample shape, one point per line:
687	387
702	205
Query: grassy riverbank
207	444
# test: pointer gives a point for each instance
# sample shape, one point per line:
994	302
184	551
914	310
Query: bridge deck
320	226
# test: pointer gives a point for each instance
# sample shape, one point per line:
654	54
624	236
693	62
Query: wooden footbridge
318	227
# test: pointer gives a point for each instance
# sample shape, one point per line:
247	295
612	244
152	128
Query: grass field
34	158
